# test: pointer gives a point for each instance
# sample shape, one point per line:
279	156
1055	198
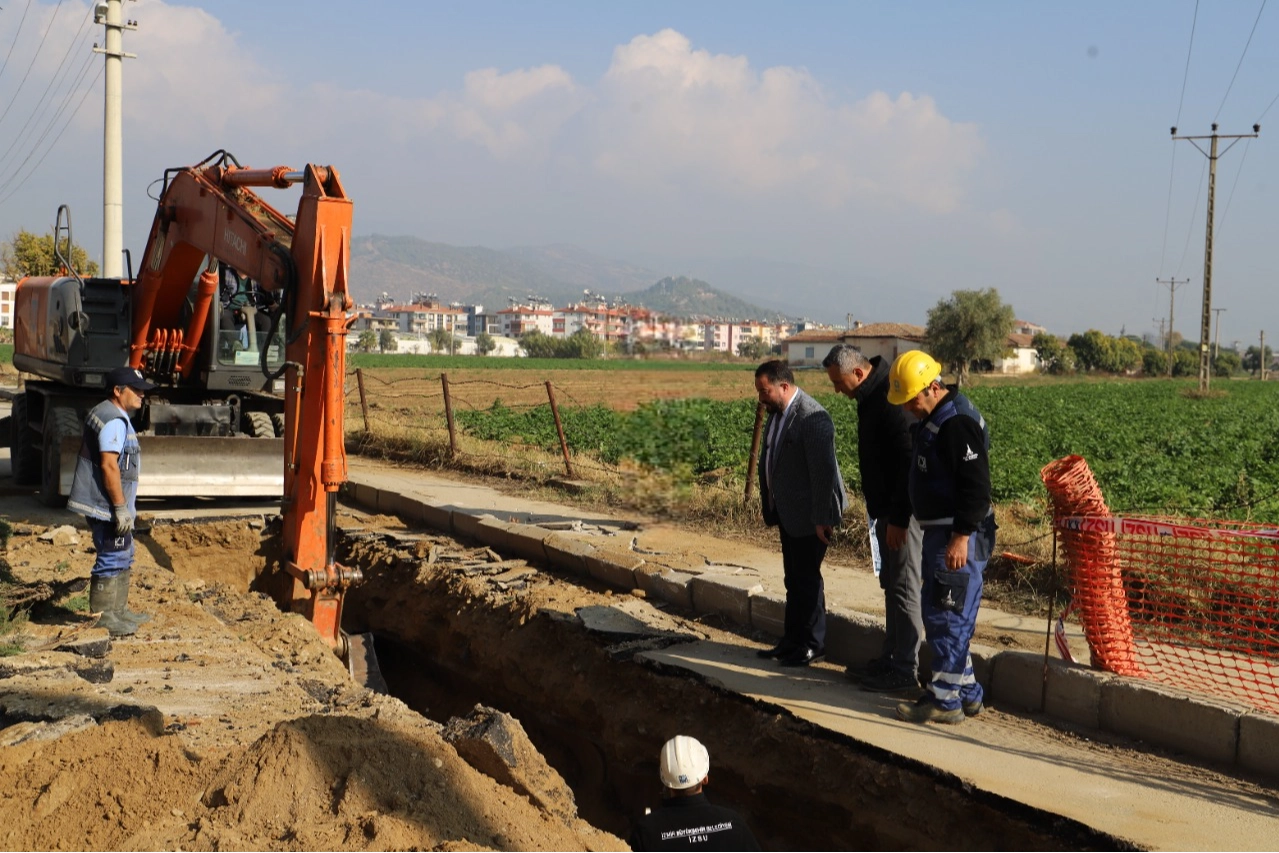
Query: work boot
925	710
104	593
972	709
893	681
122	606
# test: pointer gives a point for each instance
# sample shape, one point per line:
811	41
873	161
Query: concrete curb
1200	726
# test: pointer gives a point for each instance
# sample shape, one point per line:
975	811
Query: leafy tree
1226	363
1093	349
971	325
441	339
1185	363
582	344
32	254
538	344
1250	361
484	343
1125	355
387	341
1054	356
753	348
366	341
1154	362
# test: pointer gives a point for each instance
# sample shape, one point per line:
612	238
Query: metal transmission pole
1216	334
1212	155
1173	284
110	13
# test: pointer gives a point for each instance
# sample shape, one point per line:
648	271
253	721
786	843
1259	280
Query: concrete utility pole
110	13
1216	335
1261	357
1204	372
1173	284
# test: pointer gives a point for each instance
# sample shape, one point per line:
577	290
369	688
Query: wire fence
1189	603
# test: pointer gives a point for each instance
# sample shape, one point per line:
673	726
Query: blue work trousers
114	553
950	602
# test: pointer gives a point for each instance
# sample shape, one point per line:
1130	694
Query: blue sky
826	158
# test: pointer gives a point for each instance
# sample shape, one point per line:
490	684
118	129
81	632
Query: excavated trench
449	637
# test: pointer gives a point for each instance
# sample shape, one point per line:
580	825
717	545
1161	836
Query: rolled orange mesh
1189	603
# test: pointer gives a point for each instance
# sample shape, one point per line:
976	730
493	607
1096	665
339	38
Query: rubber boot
122	606
104	593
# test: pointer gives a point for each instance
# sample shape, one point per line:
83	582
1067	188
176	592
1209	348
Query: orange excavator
235	301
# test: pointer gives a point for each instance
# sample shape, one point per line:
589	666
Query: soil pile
230	725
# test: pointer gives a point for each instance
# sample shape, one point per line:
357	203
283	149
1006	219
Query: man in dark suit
802	492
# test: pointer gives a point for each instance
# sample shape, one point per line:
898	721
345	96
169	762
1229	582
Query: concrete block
853	637
1259	743
614	567
438	517
1074	693
410	509
567	553
725	595
492	532
674	588
388	502
768	613
1017	680
364	495
526	540
1197	725
983	660
467	525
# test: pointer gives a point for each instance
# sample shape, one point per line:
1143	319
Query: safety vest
88	496
932	486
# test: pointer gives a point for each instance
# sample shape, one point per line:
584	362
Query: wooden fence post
364	401
752	461
448	415
555	411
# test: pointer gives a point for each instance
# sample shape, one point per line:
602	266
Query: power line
1172	169
32	64
17	33
66	99
1194	212
1186	74
43	102
1241	56
61	130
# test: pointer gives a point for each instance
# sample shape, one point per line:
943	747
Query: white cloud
671	113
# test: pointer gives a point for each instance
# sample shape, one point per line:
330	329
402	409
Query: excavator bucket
219	467
185	466
361	662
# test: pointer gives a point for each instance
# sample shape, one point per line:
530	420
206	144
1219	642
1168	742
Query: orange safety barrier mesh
1186	602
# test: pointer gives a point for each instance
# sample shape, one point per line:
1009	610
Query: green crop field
1153	448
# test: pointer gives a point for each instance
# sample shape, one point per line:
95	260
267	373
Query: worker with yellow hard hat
950	497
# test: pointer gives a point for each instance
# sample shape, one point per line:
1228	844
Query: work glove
123	520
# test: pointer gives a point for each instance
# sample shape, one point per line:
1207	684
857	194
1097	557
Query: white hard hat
685	763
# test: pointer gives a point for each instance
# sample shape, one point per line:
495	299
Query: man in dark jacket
802	493
685	820
950	496
883	457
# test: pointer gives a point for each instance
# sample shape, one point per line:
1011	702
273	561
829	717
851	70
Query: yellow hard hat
911	373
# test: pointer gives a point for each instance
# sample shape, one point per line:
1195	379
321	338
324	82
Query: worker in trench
105	491
686	820
950	497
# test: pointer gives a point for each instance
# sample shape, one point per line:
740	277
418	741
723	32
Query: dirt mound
97	789
388	783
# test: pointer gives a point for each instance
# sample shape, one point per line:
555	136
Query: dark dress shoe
803	657
778	651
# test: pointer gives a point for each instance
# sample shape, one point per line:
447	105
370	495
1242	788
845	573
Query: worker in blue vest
105	491
950	497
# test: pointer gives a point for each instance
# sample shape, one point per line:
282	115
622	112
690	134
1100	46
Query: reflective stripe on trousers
950	603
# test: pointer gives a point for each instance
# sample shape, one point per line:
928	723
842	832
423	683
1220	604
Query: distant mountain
689	297
403	266
579	268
